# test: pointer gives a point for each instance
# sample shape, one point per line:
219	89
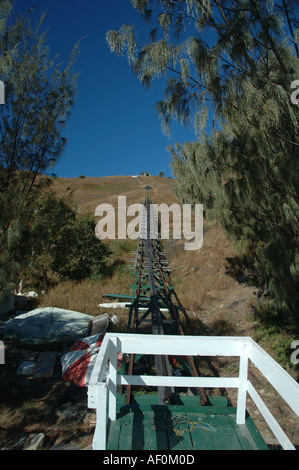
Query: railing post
112	378
100	434
243	376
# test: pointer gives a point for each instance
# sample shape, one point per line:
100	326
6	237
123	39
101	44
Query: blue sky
113	128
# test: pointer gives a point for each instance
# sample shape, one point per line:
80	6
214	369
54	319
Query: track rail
151	291
161	362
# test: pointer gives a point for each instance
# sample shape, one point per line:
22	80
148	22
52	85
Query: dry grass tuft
200	277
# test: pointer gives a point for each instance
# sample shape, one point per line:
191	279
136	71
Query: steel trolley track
151	297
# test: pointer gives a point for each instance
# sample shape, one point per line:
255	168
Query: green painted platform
146	425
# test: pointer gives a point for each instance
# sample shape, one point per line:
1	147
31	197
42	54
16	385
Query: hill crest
89	192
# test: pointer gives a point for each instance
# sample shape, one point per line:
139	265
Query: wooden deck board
146	426
215	432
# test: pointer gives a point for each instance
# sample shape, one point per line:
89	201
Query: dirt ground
49	406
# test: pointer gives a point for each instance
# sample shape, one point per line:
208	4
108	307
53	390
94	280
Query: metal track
152	293
161	362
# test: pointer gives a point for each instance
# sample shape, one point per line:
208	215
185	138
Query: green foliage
271	327
39	95
77	253
49	216
229	66
59	244
121	247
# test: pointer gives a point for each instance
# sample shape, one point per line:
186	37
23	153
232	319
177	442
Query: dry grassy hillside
209	282
200	278
89	192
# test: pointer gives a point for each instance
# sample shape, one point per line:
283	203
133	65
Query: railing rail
100	389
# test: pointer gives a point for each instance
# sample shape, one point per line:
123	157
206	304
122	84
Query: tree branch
256	12
290	26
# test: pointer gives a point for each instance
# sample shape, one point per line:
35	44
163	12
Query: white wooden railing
101	389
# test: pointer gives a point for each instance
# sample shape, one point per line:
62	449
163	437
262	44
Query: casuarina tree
39	95
230	68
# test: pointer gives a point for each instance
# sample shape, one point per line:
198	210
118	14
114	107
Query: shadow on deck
145	425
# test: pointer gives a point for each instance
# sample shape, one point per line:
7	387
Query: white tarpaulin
48	325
